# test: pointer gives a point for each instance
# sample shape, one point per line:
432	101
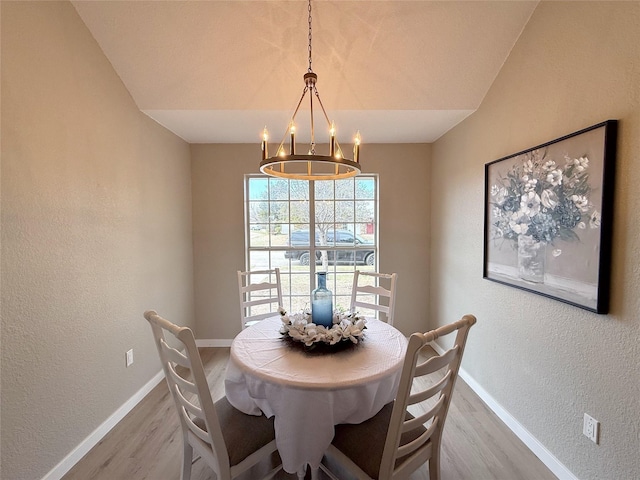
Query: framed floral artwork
548	218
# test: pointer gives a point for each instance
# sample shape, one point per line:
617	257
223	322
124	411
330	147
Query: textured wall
218	229
96	228
576	64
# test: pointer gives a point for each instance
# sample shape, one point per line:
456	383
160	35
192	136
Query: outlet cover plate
591	428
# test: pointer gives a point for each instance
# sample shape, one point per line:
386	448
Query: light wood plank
147	443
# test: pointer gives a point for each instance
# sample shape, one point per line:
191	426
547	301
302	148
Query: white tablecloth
309	394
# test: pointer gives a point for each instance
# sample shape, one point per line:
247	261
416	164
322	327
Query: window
291	222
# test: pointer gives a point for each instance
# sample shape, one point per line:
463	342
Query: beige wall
575	65
96	228
218	229
96	206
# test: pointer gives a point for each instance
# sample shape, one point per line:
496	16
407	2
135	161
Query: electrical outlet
591	428
129	357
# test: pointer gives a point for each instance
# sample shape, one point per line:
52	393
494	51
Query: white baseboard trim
538	449
57	472
204	342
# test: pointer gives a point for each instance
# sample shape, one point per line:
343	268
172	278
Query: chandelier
309	166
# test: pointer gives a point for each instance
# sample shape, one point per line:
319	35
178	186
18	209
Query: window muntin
281	216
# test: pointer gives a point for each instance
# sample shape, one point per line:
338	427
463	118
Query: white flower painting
548	217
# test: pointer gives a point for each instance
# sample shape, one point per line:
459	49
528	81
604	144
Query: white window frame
287	272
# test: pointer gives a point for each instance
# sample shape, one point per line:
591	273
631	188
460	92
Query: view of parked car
300	238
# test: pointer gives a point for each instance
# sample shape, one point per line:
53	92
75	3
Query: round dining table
308	393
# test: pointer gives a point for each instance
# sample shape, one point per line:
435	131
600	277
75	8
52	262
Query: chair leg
434	464
187	456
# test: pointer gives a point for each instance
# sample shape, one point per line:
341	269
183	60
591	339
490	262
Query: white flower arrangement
543	200
300	328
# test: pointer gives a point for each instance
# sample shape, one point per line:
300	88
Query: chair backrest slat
436	363
258	301
371	306
181	382
367	285
425	417
190	411
191	408
256	289
412	446
421	396
252	287
261	316
373	290
174	355
193	427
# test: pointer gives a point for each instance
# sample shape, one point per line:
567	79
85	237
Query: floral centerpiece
538	201
347	330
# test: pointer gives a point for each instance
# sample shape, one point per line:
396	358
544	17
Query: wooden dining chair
260	295
407	432
229	441
368	290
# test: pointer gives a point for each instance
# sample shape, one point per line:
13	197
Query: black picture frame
548	218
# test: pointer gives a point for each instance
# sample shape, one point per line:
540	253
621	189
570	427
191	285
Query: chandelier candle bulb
356	147
292	148
265	137
332	141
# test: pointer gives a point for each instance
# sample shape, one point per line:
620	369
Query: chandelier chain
309	9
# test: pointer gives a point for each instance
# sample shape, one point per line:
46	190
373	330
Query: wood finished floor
146	444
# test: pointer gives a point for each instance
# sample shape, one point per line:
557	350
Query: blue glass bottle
322	303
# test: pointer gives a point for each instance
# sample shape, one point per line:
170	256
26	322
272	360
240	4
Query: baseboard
57	472
532	443
204	342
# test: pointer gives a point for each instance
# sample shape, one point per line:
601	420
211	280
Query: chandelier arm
293	117
326	117
295	112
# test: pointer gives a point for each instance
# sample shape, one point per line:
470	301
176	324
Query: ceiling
219	71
